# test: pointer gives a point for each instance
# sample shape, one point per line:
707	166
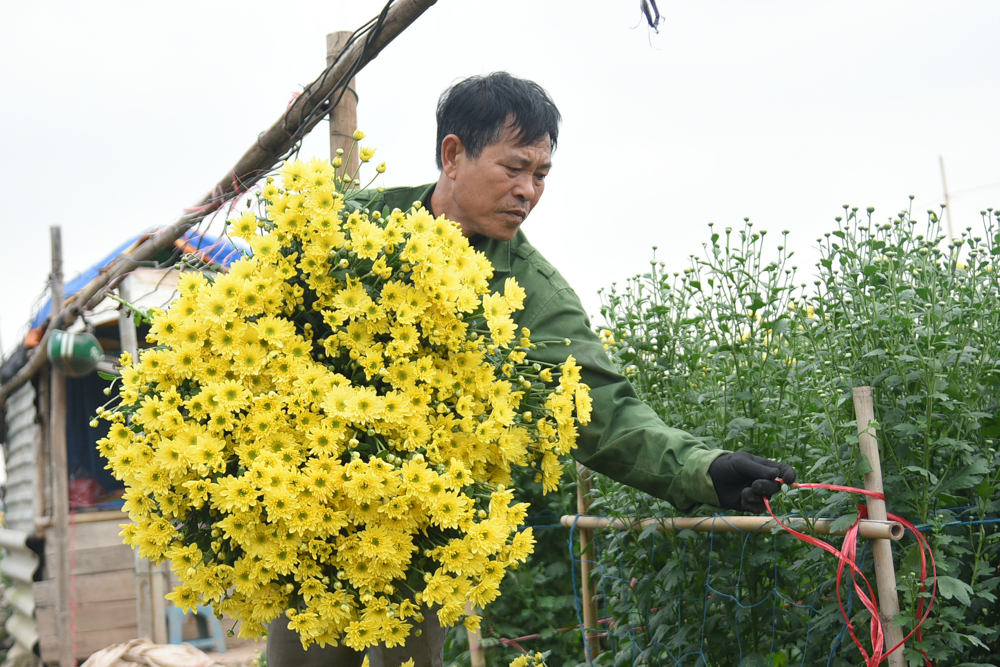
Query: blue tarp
213	249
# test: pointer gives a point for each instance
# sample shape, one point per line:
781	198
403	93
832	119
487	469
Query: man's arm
625	438
627	441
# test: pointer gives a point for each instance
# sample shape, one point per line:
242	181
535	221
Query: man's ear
452	152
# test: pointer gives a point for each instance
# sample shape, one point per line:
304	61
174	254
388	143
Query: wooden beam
303	114
60	473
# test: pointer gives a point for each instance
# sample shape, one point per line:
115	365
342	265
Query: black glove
742	480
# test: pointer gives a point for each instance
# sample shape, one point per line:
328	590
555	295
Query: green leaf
864	465
106	376
925	473
950	587
844	522
969	476
984	490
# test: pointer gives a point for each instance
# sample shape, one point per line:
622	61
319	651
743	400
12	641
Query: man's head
495	139
478	110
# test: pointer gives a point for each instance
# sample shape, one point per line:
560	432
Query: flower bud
358	135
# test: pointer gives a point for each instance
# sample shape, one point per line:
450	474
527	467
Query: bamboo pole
60	473
886	530
262	156
885	572
344	116
591	636
477	656
947	200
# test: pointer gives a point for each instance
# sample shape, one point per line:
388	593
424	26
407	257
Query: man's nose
524	187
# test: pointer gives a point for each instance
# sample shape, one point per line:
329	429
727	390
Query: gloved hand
742	480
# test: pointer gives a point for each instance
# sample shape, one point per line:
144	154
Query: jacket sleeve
625	439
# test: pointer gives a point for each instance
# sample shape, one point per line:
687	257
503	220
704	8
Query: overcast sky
116	115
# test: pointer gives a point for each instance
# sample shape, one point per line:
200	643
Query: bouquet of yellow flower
327	430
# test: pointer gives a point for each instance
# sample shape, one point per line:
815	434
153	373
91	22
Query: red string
847	557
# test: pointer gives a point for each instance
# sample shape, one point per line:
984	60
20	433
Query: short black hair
477	110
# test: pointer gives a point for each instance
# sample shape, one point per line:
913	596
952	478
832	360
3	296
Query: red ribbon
847	558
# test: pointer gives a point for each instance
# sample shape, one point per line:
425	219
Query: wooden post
344	116
591	640
60	472
144	596
885	573
43	488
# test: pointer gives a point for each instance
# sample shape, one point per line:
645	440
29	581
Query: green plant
736	351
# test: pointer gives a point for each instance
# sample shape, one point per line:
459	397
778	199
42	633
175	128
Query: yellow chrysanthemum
347	386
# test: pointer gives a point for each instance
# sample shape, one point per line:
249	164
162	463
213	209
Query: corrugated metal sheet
19	564
23	436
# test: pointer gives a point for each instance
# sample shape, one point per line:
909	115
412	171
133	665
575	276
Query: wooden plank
94	535
112	516
100	587
91	617
93	561
86	643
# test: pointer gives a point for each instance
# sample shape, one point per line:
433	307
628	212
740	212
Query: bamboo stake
60	474
886	530
477	656
258	160
885	573
947	201
591	636
344	116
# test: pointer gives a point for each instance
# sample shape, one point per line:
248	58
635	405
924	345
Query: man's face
493	193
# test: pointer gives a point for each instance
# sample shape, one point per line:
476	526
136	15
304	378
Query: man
495	140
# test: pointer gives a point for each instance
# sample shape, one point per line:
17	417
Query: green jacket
625	439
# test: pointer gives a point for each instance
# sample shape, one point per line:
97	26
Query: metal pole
60	473
885	573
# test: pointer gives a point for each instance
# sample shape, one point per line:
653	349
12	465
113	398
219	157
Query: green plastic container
74	354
